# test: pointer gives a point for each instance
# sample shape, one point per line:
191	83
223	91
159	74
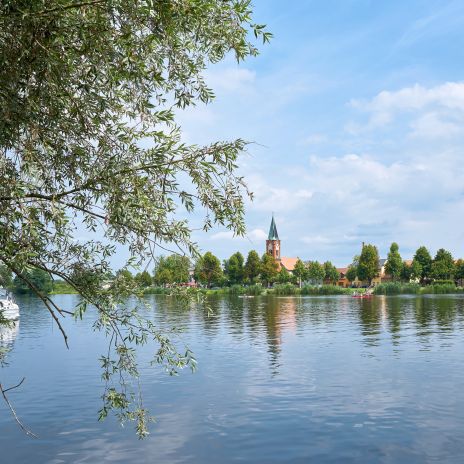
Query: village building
273	249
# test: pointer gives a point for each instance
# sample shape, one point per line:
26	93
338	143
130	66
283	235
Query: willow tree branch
18	421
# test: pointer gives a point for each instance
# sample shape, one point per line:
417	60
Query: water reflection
288	379
8	335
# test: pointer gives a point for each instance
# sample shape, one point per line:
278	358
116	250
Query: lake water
288	380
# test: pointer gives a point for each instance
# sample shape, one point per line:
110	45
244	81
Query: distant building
273	249
342	279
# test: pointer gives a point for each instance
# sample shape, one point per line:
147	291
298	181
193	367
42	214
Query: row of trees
209	271
423	267
34	277
263	270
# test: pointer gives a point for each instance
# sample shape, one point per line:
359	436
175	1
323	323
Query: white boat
8	307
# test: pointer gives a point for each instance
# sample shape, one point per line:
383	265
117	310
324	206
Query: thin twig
23	427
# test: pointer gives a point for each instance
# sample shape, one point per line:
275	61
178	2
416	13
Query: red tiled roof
342	270
288	263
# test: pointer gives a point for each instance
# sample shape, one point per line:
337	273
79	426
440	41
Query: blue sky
357	109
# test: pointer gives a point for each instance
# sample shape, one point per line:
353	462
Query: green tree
208	270
368	266
269	269
443	267
125	274
416	270
394	265
284	276
144	279
6	278
177	265
423	258
406	272
234	268
331	273
164	277
351	273
299	271
33	279
252	267
316	272
459	269
89	141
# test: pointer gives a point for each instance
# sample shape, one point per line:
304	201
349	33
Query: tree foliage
443	267
37	278
352	273
208	269
331	273
144	279
315	271
394	265
459	274
6	278
252	267
368	266
269	269
172	269
234	268
300	271
422	257
284	276
89	141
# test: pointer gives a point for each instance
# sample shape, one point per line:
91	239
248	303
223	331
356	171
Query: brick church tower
273	242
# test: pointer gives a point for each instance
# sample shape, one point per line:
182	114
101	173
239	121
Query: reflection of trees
280	315
395	313
267	319
370	319
445	312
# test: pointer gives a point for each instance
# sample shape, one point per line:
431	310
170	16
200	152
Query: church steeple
273	235
273	241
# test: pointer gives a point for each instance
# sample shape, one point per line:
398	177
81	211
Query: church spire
273	235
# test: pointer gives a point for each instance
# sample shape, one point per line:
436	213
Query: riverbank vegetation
398	288
423	270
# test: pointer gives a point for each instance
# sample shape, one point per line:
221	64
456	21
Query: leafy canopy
368	266
208	269
394	265
89	142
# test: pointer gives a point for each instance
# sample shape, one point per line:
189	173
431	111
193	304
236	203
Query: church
273	249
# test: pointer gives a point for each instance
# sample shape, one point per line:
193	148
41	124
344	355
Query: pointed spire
273	235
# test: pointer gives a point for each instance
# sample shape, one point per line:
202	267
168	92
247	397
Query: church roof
273	235
288	263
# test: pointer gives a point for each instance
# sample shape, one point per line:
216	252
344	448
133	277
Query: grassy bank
390	288
62	288
398	288
255	290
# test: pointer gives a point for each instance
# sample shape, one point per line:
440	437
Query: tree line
423	268
210	272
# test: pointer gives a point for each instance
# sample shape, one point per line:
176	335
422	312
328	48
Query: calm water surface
289	380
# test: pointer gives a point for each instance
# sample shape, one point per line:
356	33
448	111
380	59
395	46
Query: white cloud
230	79
252	235
430	109
431	126
314	139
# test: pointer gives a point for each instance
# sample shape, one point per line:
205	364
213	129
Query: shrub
397	288
285	289
255	289
444	282
324	290
441	289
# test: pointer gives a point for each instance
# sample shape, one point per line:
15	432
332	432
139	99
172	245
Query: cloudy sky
357	111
